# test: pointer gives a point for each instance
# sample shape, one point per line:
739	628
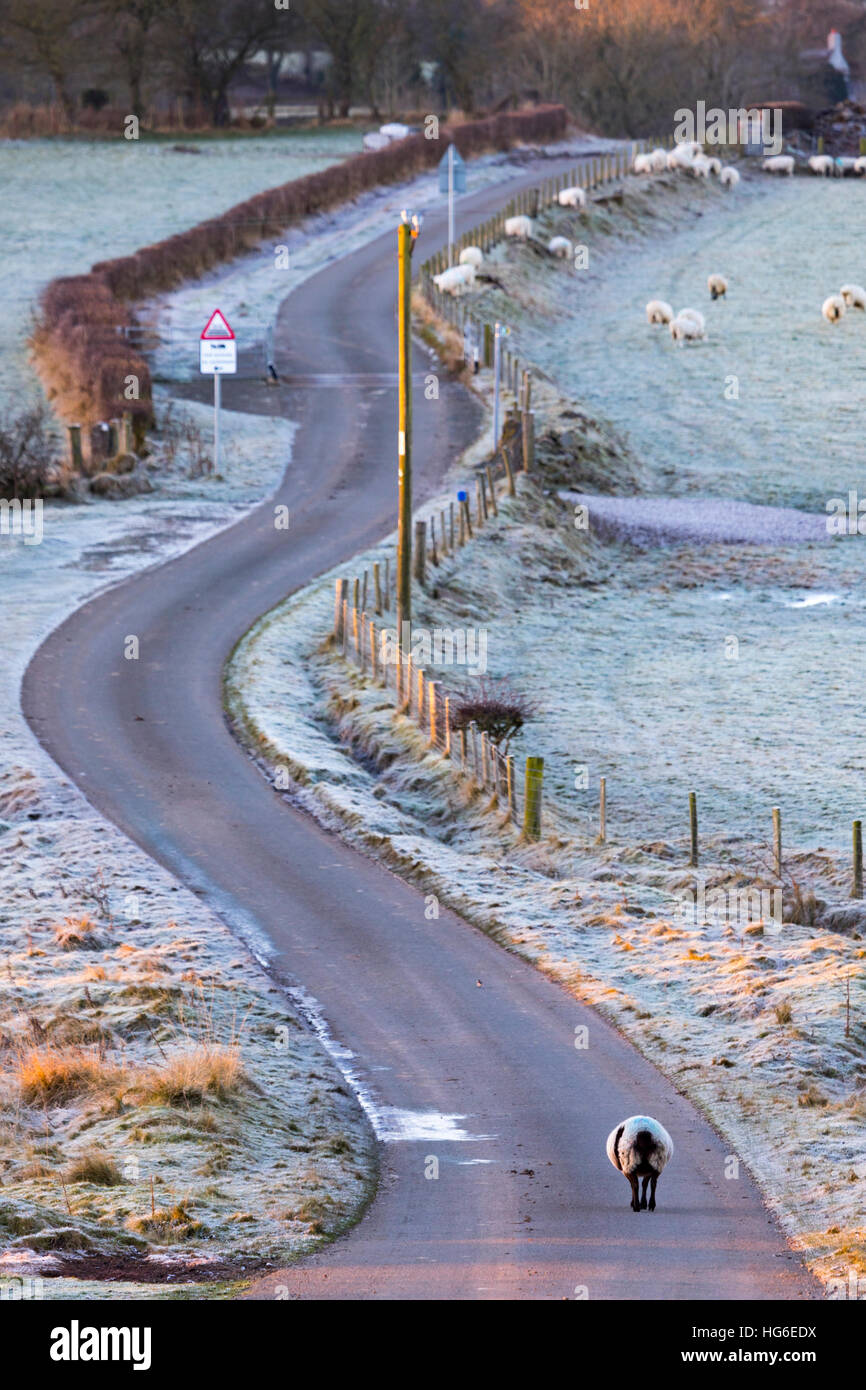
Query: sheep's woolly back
779	164
659	311
456	279
629	1148
472	255
572	198
695	315
822	164
642	164
729	177
717	285
833	308
519	226
659	159
854	296
559	246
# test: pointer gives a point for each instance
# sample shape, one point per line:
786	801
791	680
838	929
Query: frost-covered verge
134	1027
759	1021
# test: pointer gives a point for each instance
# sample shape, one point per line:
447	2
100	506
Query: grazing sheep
854	296
729	177
846	166
456	279
560	246
715	166
779	164
395	130
472	255
860	165
659	311
572	198
688	325
640	1148
642	164
659	159
680	157
519	227
375	140
717	286
833	308
701	167
822	164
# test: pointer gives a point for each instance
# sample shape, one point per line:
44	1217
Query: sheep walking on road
854	296
572	198
833	308
640	1148
520	227
658	311
717	286
779	164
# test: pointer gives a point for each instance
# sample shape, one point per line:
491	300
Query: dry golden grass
57	1074
95	1167
188	1077
78	932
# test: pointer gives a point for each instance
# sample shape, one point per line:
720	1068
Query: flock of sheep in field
688	325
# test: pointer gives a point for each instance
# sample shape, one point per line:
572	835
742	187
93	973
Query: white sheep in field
375	140
520	227
701	167
833	308
822	164
715	166
688	325
680	157
659	159
572	198
642	164
395	130
717	286
854	296
472	255
779	164
456	279
560	246
659	311
860	165
729	177
640	1148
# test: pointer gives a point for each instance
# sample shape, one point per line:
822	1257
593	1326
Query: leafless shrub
496	708
27	455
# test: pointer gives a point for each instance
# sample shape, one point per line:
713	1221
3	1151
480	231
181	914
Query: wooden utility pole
406	234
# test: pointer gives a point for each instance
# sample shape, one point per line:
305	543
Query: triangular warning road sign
217	326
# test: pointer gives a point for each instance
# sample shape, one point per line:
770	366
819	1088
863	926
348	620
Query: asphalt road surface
442	1022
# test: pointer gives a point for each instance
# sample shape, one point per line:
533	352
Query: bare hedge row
80	346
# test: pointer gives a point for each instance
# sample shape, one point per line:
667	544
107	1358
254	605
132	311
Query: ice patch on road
390	1123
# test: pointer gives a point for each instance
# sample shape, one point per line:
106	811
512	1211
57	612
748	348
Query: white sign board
218	356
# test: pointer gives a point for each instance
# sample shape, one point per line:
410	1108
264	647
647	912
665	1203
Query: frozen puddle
813	601
706	520
390	1124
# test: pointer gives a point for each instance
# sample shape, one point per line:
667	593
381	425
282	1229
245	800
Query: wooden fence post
509	777
528	440
492	491
377	588
777	841
345	627
76	458
484	758
857	890
693	829
447	726
374	655
451	525
420	555
127	433
479	517
340	600
434	690
532	798
509	472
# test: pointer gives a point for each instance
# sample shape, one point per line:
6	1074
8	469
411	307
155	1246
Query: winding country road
525	1204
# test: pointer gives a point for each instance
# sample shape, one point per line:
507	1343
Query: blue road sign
459	171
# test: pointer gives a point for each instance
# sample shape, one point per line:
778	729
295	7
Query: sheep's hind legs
652	1201
635	1204
643	1193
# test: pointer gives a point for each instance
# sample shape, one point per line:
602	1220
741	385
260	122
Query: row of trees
621	65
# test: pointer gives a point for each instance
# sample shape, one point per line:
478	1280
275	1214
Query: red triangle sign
217	326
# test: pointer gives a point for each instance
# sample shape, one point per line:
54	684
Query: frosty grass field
69	203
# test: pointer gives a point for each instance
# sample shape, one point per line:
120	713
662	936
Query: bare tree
44	38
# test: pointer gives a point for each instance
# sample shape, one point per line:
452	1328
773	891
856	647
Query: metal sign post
452	180
218	356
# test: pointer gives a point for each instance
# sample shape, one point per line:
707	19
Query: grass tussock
97	1168
55	1075
207	1070
77	933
